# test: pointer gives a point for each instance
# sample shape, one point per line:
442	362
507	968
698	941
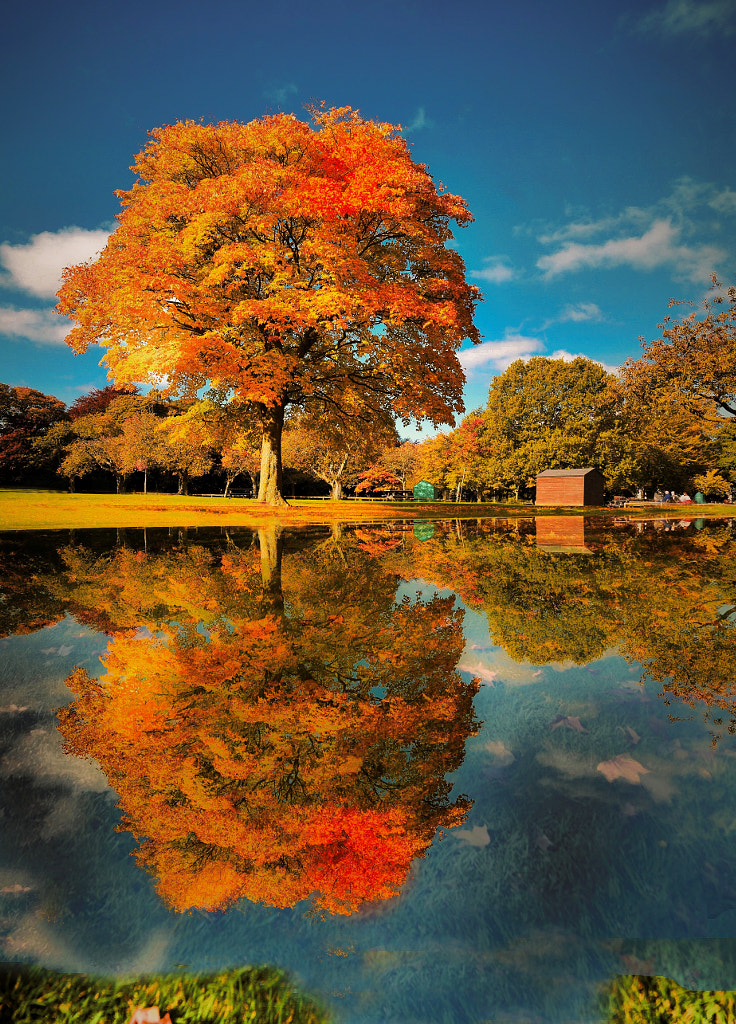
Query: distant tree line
667	420
117	438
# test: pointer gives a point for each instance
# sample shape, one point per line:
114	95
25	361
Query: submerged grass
262	995
637	999
57	510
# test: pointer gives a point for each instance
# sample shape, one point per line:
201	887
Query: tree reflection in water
275	725
601	837
663	598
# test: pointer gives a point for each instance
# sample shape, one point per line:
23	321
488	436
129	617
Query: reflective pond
441	772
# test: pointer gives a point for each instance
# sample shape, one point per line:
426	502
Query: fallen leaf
10	709
476	836
622	767
569	722
631	733
64	650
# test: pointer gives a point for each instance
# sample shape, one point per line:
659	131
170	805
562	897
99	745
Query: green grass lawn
54	510
262	995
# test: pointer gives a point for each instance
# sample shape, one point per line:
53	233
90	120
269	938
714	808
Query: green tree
656	439
187	448
725	449
712	484
25	416
545	414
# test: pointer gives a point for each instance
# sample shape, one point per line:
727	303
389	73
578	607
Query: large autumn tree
282	263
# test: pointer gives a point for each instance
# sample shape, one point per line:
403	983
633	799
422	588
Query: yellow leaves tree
694	362
283	264
336	448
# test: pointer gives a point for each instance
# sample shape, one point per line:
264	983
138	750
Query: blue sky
593	143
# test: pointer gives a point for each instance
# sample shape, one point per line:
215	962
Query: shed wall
560	490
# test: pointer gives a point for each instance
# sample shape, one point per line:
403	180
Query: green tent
424	491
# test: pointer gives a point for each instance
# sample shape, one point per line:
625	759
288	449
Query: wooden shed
570	487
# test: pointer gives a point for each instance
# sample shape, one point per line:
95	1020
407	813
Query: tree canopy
283	263
694	362
25	415
544	414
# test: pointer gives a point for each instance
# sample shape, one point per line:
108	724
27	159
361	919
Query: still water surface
442	772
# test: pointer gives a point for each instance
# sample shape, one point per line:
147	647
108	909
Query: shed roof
569	472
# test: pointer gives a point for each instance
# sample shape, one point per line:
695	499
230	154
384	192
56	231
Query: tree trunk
336	491
269	490
460	486
271	544
183	479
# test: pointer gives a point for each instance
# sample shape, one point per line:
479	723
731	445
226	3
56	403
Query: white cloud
497	271
37	325
578	313
39	755
675	231
500	354
658	246
588	228
724	202
568	357
35	267
420	121
688	17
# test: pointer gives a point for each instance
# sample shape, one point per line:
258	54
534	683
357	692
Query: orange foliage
283	263
286	751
